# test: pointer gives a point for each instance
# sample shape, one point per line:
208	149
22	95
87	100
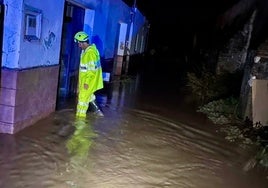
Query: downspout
129	40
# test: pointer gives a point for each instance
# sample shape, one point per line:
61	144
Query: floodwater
149	138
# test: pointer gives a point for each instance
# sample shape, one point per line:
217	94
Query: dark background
177	24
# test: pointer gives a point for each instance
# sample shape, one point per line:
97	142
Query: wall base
27	96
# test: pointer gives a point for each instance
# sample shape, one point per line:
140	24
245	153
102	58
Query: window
32	23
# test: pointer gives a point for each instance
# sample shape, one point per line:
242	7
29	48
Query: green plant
222	111
206	87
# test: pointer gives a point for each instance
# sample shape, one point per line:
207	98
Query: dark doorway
70	53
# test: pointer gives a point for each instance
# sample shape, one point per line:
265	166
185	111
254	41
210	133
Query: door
70	52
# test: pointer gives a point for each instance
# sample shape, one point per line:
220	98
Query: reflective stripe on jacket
90	71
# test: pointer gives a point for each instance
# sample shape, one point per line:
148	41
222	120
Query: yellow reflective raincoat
90	73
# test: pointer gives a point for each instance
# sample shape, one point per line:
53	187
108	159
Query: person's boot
96	110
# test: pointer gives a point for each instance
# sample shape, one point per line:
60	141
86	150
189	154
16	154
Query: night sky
174	23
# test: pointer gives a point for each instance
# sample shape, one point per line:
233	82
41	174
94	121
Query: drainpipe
129	41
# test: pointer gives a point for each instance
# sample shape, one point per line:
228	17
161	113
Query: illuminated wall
106	24
30	62
31	52
20	52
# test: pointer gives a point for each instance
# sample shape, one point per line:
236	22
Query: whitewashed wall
12	33
20	53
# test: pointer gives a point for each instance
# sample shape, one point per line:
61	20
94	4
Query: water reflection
135	145
80	142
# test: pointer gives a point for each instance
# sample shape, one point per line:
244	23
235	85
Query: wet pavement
150	137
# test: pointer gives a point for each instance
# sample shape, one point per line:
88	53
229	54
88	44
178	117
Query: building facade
39	60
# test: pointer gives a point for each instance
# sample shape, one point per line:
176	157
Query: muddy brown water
147	139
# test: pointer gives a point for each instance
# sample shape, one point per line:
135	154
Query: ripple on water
128	148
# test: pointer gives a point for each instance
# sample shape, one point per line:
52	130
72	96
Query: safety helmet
81	36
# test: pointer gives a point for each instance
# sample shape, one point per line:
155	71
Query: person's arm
91	68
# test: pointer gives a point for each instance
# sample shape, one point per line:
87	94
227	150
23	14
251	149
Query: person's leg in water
82	103
93	106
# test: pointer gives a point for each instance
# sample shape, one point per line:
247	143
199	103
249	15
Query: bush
221	111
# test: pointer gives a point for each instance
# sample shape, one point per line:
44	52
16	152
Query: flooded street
149	138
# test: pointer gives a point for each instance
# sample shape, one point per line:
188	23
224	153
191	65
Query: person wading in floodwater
90	75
